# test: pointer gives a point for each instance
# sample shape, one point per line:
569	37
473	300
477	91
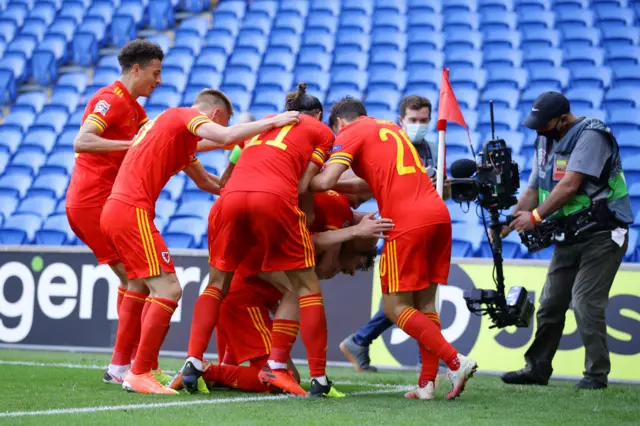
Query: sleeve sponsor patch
102	107
336	148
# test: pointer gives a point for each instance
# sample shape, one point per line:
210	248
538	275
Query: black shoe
320	391
590	384
190	376
524	377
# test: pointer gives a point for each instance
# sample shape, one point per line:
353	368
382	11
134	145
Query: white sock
277	365
196	362
322	380
117	370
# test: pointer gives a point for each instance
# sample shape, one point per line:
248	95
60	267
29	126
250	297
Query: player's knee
393	310
172	290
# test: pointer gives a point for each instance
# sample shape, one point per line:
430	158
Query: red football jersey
332	211
165	146
380	152
119	116
275	160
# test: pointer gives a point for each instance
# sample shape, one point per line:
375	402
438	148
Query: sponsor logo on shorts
166	257
102	107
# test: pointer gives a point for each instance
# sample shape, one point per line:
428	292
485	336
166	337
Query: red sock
121	293
221	346
283	335
430	362
428	334
205	318
241	378
154	329
128	327
144	314
313	330
155	364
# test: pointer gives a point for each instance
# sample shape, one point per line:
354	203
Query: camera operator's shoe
525	376
427	392
589	384
358	355
459	377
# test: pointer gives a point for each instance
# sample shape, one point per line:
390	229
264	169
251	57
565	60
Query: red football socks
241	378
205	317
147	304
121	293
430	362
283	336
154	330
313	330
128	327
428	334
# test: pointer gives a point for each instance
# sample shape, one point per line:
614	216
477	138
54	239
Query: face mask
554	134
416	131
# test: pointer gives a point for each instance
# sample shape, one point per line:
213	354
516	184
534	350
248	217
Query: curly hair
139	52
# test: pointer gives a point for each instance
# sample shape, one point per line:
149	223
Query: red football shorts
245	324
416	259
85	223
136	240
242	220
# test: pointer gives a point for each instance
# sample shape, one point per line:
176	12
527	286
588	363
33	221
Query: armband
235	154
536	216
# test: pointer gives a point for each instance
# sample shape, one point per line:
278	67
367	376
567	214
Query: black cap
546	107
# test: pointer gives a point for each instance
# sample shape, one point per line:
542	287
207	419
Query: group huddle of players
283	221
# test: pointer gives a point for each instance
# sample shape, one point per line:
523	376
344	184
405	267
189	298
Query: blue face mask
416	131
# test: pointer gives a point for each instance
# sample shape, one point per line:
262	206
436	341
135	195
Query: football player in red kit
165	146
416	256
111	119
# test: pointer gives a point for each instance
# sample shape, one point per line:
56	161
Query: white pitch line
85	410
102	367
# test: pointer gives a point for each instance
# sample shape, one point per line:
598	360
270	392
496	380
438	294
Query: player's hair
302	102
347	108
370	260
212	98
139	52
414	102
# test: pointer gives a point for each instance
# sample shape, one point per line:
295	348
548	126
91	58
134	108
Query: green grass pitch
56	388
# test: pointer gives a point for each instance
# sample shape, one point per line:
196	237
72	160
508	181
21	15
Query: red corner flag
448	108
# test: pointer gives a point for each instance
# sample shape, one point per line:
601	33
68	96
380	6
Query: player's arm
89	140
328	178
219	136
205	145
307	205
352	186
233	159
203	179
367	228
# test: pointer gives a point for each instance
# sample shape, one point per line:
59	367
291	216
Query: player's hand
285	118
370	227
522	222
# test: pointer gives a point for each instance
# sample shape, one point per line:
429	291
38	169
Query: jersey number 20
402	169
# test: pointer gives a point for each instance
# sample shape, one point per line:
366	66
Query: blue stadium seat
161	14
164	97
622	120
428	79
271	101
242	80
621	36
163	41
173	189
490	6
192	192
64	27
547	57
194	6
86	42
134	10
585	97
19	229
585	56
390	7
572	19
524	7
506	120
63	99
53	186
10	139
389	40
509	39
357	42
461	21
496	21
227	24
422	40
383	99
104	77
75	120
288	43
322	23
335	95
174	79
537	39
55	231
41	141
232	8
201	78
8	204
386	21
619	56
39	206
34	28
575	38
178	59
563	6
599	114
457	41
500	58
76	81
188	43
189	95
467	98
464	59
20	120
239	98
194	209
390	62
16	12
629	144
54	120
26	162
15	186
16	64
265	8
627	76
211	59
275	80
348	60
425	21
249	61
356	6
7	86
316	80
466	239
123	30
194	26
318	42
591	76
354	22
214	161
313	60
59	163
8	29
612	17
384	80
256	24
4	160
46	57
502	97
325	8
621	98
254	43
298	8
276	60
101	10
109	63
530	23
23	46
165	208
349	79
430	6
507	78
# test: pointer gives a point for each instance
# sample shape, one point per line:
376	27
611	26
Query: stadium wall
58	298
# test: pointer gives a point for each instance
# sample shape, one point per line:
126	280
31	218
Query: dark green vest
616	194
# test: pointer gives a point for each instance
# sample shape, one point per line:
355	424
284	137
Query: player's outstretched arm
203	179
356	186
237	133
233	159
367	228
89	140
328	178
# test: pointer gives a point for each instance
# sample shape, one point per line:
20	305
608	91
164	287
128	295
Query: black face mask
553	134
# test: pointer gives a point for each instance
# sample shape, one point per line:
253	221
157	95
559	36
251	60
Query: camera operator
577	167
415	115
